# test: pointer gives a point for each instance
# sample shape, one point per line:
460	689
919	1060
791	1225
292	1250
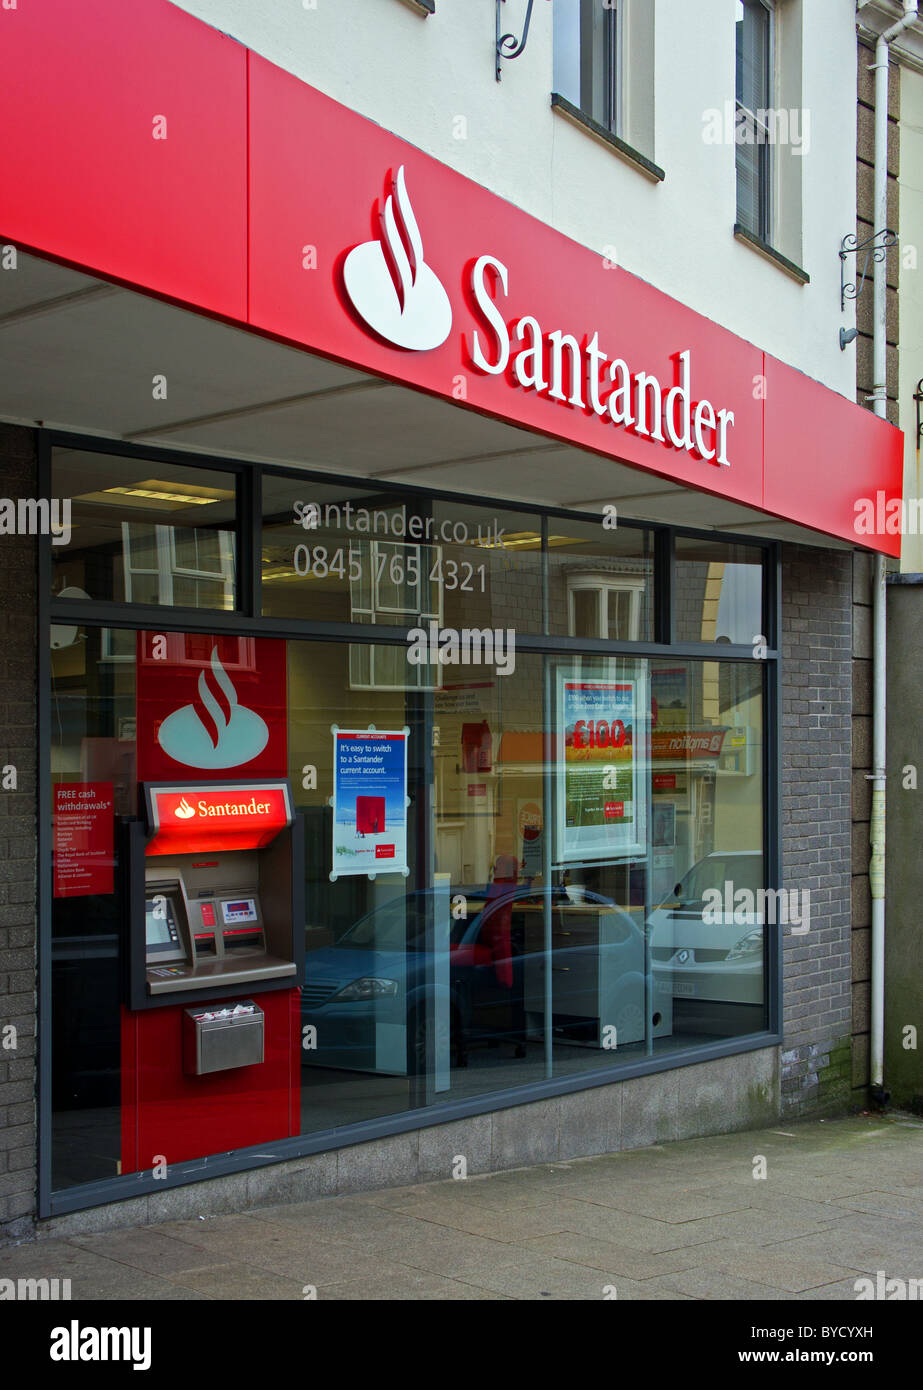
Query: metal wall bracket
874	248
918	399
508	46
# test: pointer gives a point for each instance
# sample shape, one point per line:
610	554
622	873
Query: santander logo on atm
390	285
215	731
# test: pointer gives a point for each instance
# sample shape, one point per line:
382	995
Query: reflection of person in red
498	926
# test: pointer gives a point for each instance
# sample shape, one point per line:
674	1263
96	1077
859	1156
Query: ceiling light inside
154	493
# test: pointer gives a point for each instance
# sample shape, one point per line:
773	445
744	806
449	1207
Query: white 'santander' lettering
555	364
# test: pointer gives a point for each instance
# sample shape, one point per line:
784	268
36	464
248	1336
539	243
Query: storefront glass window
364	937
600	581
569	877
93	784
718	592
709	926
144	532
343	554
489	567
348	555
576	951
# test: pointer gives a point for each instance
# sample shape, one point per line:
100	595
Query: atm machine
215	958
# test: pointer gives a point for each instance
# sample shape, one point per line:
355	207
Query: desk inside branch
596	971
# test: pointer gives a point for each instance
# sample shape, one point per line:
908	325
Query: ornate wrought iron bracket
508	46
874	247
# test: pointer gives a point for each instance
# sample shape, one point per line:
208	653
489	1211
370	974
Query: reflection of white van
715	955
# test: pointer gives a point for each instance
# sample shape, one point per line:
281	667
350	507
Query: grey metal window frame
247	620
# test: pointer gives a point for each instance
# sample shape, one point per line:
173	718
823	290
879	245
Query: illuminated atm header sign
190	818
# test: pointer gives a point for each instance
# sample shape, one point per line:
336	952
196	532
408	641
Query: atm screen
157	929
161	932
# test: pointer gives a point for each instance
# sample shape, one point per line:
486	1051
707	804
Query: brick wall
17	844
816	825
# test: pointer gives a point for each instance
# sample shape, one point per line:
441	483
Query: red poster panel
212	705
83	839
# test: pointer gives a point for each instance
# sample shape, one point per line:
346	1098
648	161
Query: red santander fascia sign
496	310
281	210
206	818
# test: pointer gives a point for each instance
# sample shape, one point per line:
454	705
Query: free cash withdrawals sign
369	802
600	808
83	839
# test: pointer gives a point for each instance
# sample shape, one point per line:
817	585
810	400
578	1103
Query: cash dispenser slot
220	1039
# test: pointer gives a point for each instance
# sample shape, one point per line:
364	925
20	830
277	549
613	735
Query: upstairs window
588	57
754	103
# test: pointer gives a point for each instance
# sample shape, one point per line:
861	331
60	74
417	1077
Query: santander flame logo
215	730
391	286
184	810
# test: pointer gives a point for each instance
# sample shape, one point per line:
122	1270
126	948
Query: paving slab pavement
840	1200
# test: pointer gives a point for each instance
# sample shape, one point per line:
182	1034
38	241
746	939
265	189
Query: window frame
613	67
766	167
247	483
610	115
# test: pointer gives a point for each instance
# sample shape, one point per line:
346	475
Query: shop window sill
763	248
618	146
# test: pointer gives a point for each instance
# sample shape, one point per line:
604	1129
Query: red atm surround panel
168	1116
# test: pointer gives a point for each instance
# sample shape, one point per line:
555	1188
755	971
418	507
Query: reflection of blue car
369	995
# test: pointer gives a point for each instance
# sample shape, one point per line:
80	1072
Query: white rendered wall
416	76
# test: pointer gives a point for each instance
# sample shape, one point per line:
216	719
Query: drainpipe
879	399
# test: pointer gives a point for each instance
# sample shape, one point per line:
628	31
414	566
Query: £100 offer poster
600	804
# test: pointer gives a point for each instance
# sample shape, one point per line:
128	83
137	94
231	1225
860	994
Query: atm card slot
242	940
